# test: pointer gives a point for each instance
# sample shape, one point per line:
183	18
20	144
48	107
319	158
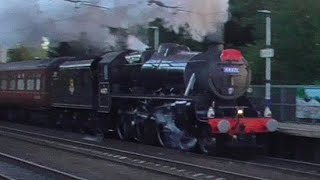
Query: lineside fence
290	103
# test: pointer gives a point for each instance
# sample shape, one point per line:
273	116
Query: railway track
17	168
290	165
5	177
178	169
297	168
193	167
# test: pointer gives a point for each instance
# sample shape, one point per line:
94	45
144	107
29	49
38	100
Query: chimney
216	47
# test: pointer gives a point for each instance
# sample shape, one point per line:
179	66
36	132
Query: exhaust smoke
63	20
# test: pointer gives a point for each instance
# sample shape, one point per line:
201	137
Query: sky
26	21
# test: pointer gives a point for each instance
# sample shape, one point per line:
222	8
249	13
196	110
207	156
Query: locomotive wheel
206	143
160	135
174	137
139	132
171	136
123	128
139	118
152	134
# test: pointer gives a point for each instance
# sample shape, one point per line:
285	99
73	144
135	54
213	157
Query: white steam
202	17
134	43
61	20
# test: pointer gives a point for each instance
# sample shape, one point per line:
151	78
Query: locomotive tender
171	97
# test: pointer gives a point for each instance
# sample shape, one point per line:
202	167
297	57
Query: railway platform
299	129
299	141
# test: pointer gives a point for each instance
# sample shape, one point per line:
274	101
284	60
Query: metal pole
268	62
267	53
156	38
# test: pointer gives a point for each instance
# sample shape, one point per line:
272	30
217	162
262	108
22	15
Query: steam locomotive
171	97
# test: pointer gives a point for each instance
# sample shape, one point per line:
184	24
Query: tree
296	28
71	49
63	49
20	53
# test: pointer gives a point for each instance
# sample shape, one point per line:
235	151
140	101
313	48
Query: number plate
231	70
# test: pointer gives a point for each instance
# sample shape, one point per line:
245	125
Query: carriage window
3	85
106	73
12	85
20	84
38	84
30	84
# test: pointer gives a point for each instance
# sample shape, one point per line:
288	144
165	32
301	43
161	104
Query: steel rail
41	169
168	166
292	165
5	177
299	168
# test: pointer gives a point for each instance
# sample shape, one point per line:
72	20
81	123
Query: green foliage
317	82
295	38
302	93
62	49
39	53
251	52
71	49
20	53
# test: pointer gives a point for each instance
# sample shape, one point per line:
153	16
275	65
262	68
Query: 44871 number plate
231	70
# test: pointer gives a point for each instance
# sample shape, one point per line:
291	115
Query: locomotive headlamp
211	113
240	112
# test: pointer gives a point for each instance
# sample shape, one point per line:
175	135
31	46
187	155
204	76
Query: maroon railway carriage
26	84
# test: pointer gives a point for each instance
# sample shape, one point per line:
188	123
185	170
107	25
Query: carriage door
104	92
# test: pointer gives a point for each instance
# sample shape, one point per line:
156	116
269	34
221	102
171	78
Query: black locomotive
172	97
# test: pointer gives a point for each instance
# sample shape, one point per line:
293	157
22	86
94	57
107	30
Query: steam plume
28	21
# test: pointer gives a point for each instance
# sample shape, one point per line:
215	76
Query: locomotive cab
75	85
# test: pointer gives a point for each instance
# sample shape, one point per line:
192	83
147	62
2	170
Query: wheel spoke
123	128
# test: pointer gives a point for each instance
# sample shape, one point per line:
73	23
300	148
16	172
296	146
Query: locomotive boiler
174	67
